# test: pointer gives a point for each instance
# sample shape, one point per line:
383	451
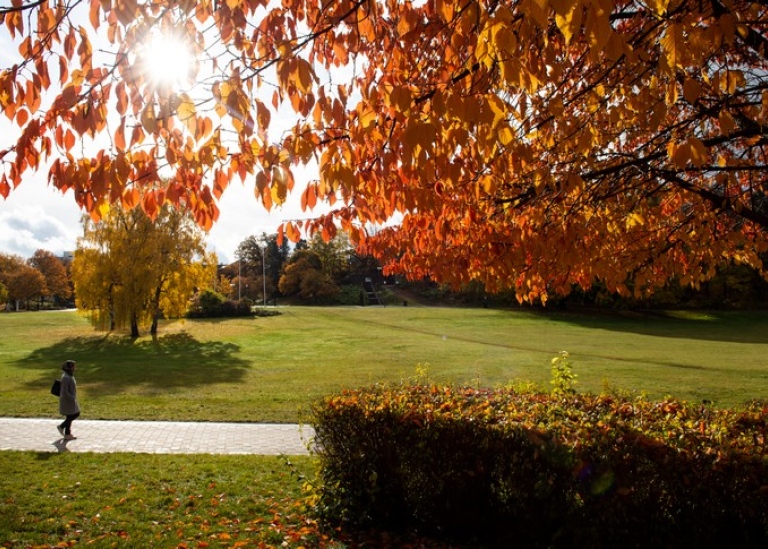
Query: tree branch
30	6
718	201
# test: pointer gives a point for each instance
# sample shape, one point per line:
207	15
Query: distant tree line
732	287
42	281
129	271
266	272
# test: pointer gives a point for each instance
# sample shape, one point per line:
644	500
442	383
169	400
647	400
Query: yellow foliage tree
533	144
130	270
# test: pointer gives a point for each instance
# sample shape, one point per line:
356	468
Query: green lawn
270	368
126	500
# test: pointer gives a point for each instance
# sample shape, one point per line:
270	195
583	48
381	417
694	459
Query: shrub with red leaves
504	467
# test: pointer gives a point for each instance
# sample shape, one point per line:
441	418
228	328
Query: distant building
67	257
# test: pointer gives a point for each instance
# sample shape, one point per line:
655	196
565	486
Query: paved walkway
156	437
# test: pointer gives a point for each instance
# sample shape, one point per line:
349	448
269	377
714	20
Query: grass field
126	500
271	368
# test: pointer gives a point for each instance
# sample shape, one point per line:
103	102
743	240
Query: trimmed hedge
500	467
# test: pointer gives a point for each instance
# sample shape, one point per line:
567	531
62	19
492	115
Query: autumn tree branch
22	7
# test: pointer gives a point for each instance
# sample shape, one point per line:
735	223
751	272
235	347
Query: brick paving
156	437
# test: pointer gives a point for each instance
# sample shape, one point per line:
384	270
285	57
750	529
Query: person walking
68	405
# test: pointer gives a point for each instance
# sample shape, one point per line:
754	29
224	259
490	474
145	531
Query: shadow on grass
111	364
723	326
717	326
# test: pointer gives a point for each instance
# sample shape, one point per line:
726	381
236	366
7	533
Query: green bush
351	294
504	468
210	304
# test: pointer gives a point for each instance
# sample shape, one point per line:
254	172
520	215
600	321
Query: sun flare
167	61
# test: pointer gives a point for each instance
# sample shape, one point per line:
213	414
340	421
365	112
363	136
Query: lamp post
264	275
239	281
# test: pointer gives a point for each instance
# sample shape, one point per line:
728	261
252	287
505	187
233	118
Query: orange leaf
22	116
63	71
304	75
94	13
149	205
119	137
69	140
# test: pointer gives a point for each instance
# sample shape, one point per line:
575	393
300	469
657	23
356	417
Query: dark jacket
68	404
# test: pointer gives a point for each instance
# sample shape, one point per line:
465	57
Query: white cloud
35	217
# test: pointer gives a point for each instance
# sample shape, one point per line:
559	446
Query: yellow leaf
224	89
187	112
673	45
671	96
734	80
568	17
102	210
659	6
263	115
149	118
699	153
498	108
77	77
691	90
506	135
504	40
488	184
678	153
597	29
368	116
539	11
564	22
284	49
304	75
727	123
634	219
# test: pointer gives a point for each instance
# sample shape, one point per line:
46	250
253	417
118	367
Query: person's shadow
61	445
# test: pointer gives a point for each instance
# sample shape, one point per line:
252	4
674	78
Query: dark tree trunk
156	307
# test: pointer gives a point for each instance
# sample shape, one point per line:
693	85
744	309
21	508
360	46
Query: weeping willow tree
130	270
